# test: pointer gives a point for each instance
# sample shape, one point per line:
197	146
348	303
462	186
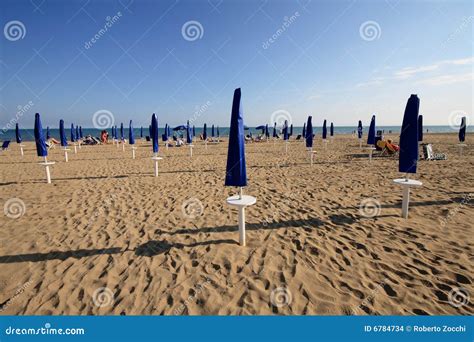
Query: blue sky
336	60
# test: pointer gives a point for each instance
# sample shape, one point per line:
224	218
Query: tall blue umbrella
408	158
204	132
331	130
189	134
285	130
371	135
80	132
291	130
41	149
131	134
169	130
121	131
309	132
154	132
77	133
303	133
73	136
62	133
48	136
462	130
420	127
236	172
149	130
359	130
212	131
274	130
141	131
165	136
267	133
17	134
325	130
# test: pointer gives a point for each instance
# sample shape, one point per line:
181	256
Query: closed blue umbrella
325	130
189	134
80	132
291	130
285	130
154	132
331	130
62	133
121	132
149	130
274	130
165	136
267	133
236	172
420	127
408	158
141	131
204	132
73	136
131	134
462	130
77	133
212	131
371	135
359	130
17	134
309	132
303	133
48	136
169	131
41	149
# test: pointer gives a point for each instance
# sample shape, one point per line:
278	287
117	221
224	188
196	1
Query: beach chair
5	145
148	138
428	153
298	137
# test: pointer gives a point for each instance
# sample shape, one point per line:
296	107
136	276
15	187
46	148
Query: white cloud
447	79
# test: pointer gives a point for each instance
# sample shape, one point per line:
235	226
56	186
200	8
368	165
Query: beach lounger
5	145
428	153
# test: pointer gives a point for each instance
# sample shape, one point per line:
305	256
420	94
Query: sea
28	134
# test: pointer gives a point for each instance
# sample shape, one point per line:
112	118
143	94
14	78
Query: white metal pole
75	149
48	174
191	150
65	156
156	168
406	201
21	150
242	225
123	146
133	152
370	155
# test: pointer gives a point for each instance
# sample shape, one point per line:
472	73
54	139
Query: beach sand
106	237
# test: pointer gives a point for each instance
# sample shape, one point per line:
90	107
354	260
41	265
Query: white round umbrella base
241	203
407	182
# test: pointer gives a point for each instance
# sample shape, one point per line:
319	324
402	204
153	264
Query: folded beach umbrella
131	134
267	133
73	136
285	130
121	132
331	129
462	130
169	131
291	130
359	130
41	149
274	130
17	134
420	127
325	130
371	135
212	131
408	155
236	172
154	133
48	136
204	132
165	137
62	133
189	134
77	133
80	132
309	132
303	132
141	131
149	130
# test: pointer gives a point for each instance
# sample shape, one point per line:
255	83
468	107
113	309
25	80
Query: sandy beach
107	237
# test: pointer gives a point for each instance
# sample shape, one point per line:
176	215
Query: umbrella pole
191	151
133	152
311	155
370	155
65	155
48	174
156	168
75	149
123	145
21	150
